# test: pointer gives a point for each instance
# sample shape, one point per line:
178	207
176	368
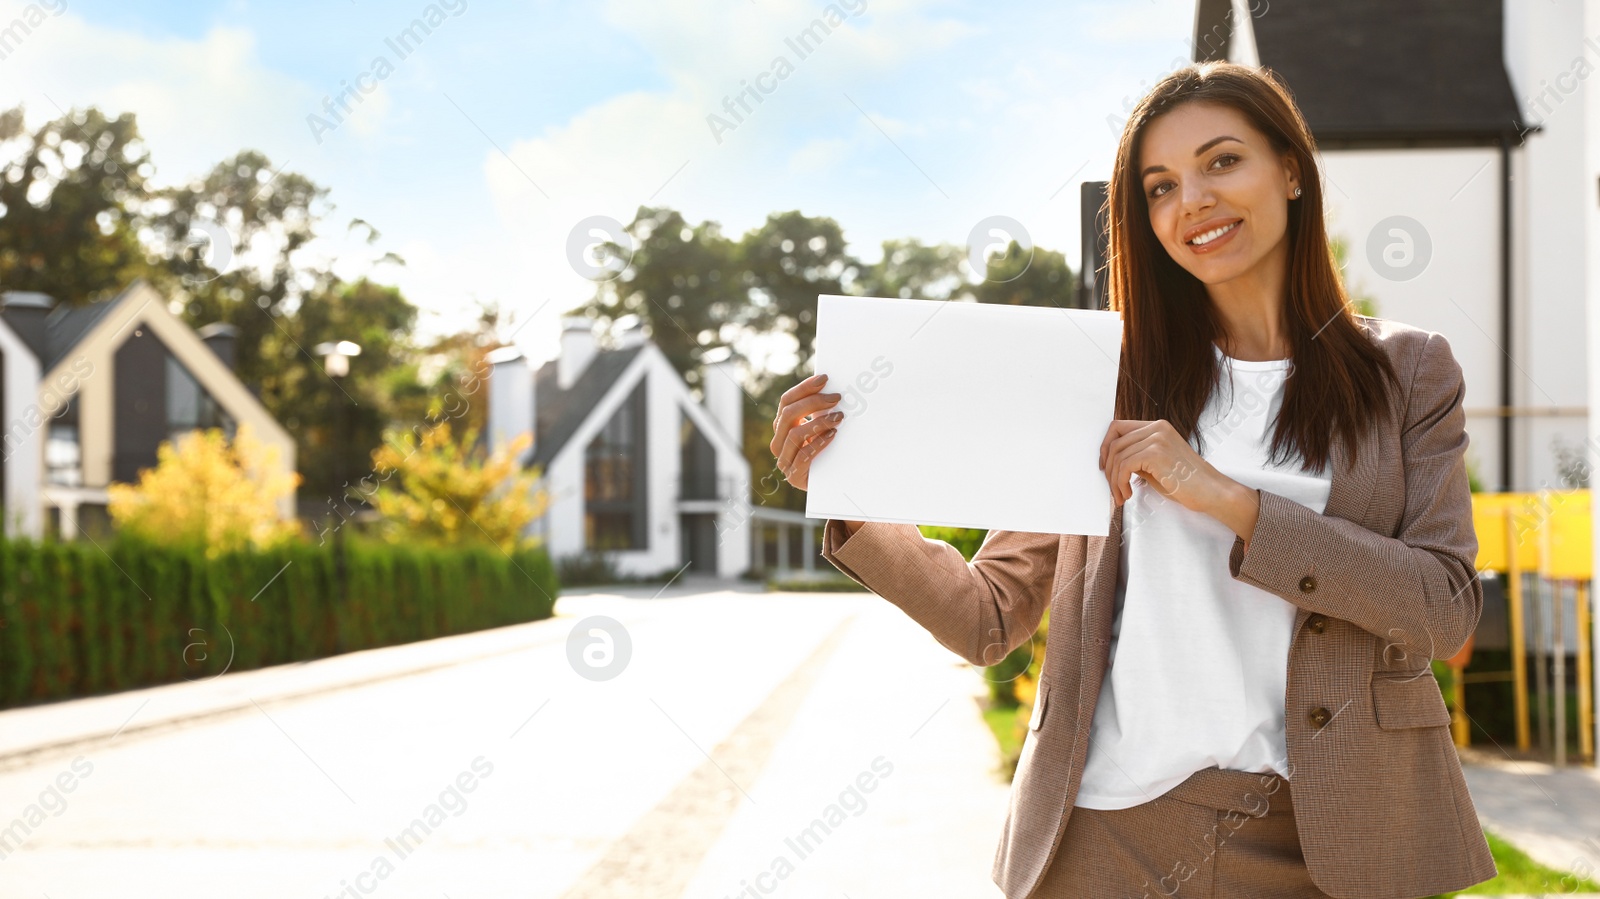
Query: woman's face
1203	167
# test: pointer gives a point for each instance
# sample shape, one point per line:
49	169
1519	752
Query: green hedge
79	619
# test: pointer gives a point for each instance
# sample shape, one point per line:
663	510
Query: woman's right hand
803	429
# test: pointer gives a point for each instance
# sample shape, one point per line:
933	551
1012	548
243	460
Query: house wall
1451	196
1551	57
23	440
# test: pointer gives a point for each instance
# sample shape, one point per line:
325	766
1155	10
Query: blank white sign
966	414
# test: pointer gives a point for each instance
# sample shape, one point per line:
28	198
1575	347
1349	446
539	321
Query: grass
1003	723
1521	874
1518	872
1008	733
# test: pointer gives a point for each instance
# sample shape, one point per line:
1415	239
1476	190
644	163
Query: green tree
69	193
1365	304
1019	277
913	270
338	423
788	261
274	214
683	282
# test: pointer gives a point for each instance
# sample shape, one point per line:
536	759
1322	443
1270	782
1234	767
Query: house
634	467
90	392
1460	161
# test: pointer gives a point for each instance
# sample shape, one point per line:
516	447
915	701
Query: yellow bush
204	491
443	495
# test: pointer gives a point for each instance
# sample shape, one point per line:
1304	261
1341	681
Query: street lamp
336	356
336	362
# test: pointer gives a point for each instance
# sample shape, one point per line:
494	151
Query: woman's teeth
1209	236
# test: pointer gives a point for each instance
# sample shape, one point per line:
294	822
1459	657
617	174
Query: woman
1237	698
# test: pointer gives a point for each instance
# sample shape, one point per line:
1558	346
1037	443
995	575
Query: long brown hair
1169	322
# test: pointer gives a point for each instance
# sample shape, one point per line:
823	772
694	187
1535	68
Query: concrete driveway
750	744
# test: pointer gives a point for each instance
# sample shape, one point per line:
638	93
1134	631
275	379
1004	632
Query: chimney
720	379
511	398
632	333
222	338
25	312
577	349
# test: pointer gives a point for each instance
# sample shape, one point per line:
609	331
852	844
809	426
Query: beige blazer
1384	580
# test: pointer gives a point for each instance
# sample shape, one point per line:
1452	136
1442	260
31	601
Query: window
63	461
189	406
63	454
698	464
613	480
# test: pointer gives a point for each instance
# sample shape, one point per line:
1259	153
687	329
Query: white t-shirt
1199	660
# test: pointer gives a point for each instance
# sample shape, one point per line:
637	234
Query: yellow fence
1548	534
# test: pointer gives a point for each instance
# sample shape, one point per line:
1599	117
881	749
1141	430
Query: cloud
197	102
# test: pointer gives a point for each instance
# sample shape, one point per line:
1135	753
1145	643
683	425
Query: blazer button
1318	717
1307	584
1316	624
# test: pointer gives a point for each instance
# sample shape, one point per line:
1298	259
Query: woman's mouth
1210	240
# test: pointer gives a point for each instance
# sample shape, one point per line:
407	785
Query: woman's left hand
1155	451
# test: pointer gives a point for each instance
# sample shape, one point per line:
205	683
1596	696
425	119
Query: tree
66	195
683	282
1021	277
208	493
1364	304
445	493
910	269
378	318
788	262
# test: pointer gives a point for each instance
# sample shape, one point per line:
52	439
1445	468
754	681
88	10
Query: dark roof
559	412
68	324
1373	73
58	329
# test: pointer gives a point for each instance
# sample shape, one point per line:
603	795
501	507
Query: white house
634	467
1461	149
1459	166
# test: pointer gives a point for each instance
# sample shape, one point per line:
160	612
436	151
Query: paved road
740	721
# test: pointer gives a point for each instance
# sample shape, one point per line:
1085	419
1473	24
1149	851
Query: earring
1297	193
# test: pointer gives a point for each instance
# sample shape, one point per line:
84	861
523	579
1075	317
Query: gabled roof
64	326
68	324
1370	73
561	412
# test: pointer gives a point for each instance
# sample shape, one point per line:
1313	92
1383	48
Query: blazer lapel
1349	495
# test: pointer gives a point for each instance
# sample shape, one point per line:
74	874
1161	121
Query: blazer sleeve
980	610
1418	590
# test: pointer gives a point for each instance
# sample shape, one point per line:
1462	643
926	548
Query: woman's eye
1156	191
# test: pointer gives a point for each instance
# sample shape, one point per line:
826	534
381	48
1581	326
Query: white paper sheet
966	414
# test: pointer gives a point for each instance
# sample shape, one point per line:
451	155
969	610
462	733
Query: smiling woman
1231	703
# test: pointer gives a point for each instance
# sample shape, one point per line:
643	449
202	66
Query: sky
477	146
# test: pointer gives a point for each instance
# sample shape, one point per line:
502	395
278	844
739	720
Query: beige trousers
1218	835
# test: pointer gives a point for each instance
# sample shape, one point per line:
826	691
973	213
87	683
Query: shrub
78	619
208	493
446	495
